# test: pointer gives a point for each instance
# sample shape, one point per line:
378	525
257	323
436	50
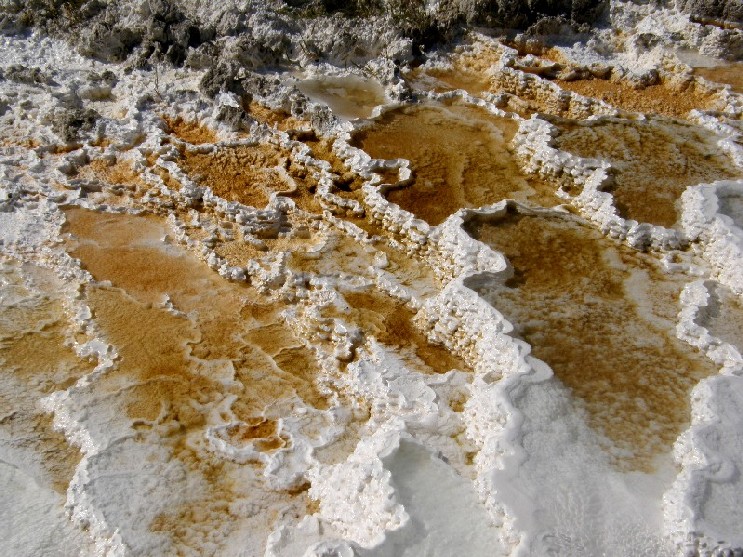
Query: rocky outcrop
719	12
271	32
521	14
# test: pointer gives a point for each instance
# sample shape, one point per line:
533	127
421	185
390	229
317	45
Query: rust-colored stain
249	174
346	182
281	120
37	359
168	358
468	71
115	173
460	157
603	318
727	74
390	321
654	161
190	131
246	173
662	99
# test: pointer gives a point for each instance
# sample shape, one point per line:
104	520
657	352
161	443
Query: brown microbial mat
37	359
654	99
653	162
346	183
460	157
347	97
442	80
246	173
190	131
339	255
187	340
118	175
277	118
412	272
390	322
603	317
239	251
726	74
128	251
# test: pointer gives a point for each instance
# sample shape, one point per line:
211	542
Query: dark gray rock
515	13
115	31
222	78
28	76
718	12
69	123
109	31
236	118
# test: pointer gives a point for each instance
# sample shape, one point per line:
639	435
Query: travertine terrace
459	155
571	291
280	279
652	162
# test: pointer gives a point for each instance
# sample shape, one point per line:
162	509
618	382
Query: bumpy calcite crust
719	236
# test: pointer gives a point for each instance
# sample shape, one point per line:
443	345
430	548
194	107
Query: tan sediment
152	348
603	318
408	269
343	255
654	99
190	131
442	80
367	225
234	503
460	157
167	178
726	74
469	71
654	161
101	142
64	149
262	433
238	252
306	185
250	174
473	72
126	250
33	432
27	143
390	321
340	255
